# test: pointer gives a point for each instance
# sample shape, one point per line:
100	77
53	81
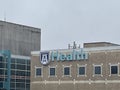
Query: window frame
41	72
49	71
97	65
117	69
78	66
69	71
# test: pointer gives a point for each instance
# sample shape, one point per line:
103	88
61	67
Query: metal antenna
68	46
74	45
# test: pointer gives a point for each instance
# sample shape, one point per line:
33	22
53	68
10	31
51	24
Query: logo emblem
44	58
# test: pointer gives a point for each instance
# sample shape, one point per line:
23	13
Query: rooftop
90	47
99	44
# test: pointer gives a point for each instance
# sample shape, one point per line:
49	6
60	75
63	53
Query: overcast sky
65	21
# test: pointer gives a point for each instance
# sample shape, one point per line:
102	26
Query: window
21	67
20	61
1	84
66	71
38	71
114	69
1	59
2	65
13	60
81	70
52	71
28	67
97	70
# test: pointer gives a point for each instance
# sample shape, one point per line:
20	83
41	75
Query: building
14	71
16	43
19	39
96	66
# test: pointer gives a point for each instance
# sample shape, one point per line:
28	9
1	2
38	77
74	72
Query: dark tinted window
2	65
81	70
38	71
1	58
21	61
97	70
13	60
1	84
52	71
114	69
67	71
21	67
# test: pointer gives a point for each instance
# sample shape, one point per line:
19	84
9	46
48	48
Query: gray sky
65	21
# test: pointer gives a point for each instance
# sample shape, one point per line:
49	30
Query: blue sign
63	55
44	58
74	55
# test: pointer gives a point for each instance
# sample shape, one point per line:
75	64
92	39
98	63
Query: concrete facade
19	39
99	44
16	43
105	57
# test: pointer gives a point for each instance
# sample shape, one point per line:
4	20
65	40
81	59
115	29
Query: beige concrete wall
19	39
88	82
75	87
99	44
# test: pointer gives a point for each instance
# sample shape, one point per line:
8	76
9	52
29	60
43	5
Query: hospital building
95	66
